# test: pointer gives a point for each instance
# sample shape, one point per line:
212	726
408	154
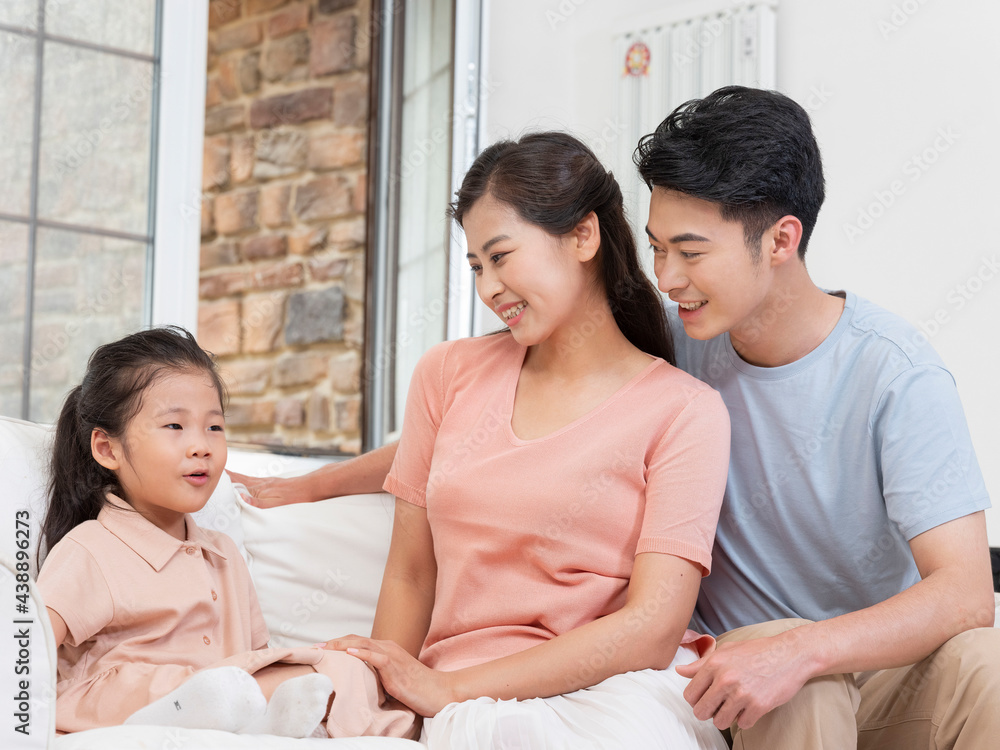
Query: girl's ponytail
77	483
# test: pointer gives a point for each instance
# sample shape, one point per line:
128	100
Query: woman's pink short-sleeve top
534	538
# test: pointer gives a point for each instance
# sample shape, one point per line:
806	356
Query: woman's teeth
691	305
513	311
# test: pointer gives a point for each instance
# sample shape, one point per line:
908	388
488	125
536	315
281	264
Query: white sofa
317	569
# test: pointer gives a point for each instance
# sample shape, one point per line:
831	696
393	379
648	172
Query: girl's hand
270	492
423	689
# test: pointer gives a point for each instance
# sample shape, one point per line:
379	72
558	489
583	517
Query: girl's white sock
225	698
296	708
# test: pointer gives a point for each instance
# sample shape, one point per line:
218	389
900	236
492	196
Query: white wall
903	94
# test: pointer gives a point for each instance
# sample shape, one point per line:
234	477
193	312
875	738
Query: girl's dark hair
748	150
553	181
108	398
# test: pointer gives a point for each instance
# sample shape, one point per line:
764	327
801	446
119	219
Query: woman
558	484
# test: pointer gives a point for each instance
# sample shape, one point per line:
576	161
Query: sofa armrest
27	661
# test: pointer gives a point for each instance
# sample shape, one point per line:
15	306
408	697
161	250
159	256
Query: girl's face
538	284
173	452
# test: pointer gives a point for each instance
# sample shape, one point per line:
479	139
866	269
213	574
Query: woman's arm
644	633
406	598
364	473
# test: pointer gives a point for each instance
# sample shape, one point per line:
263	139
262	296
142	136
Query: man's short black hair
751	151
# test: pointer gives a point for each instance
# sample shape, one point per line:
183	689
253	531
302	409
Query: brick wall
283	216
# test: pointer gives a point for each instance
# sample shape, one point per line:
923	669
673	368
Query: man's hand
270	492
740	682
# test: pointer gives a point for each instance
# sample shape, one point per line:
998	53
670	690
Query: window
85	207
430	87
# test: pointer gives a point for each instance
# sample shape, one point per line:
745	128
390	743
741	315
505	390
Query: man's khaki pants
950	700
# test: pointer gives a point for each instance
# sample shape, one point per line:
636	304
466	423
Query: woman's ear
586	237
106	450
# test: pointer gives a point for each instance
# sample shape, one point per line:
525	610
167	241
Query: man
851	567
851	590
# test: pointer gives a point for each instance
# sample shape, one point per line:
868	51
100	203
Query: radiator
661	65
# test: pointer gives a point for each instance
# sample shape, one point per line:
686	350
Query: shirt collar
149	542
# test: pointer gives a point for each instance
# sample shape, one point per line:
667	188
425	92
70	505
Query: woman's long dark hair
108	398
553	181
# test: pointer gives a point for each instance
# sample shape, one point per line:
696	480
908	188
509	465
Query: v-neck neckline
514	377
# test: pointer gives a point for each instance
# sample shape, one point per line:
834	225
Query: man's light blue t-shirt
837	461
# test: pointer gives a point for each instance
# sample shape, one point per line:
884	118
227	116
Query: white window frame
181	123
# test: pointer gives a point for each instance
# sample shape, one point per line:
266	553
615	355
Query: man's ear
781	241
106	450
586	237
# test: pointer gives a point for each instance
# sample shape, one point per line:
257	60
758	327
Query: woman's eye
496	257
475	269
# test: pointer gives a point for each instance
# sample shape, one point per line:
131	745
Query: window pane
88	290
424	179
125	24
13	267
96	112
17	90
19	13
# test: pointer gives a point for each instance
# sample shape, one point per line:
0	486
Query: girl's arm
645	633
365	473
59	629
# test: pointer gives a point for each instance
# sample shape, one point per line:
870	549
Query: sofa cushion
166	738
318	566
24	460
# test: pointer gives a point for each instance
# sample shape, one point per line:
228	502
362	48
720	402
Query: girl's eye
173	426
217	428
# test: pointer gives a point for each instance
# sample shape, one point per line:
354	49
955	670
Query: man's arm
365	473
743	681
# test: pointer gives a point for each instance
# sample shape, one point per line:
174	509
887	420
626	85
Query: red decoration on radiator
637	60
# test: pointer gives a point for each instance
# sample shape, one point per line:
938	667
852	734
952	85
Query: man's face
702	263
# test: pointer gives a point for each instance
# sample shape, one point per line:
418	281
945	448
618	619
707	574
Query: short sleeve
685	482
928	466
72	584
410	472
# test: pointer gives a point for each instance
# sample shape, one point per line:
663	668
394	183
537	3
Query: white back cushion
318	566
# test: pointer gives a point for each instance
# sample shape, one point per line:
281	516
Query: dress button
214	596
191	550
207	640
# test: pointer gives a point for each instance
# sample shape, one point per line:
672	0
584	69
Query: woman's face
535	282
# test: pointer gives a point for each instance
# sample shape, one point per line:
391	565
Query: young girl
156	620
558	484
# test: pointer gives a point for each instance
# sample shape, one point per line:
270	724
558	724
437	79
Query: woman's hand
270	492
423	689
